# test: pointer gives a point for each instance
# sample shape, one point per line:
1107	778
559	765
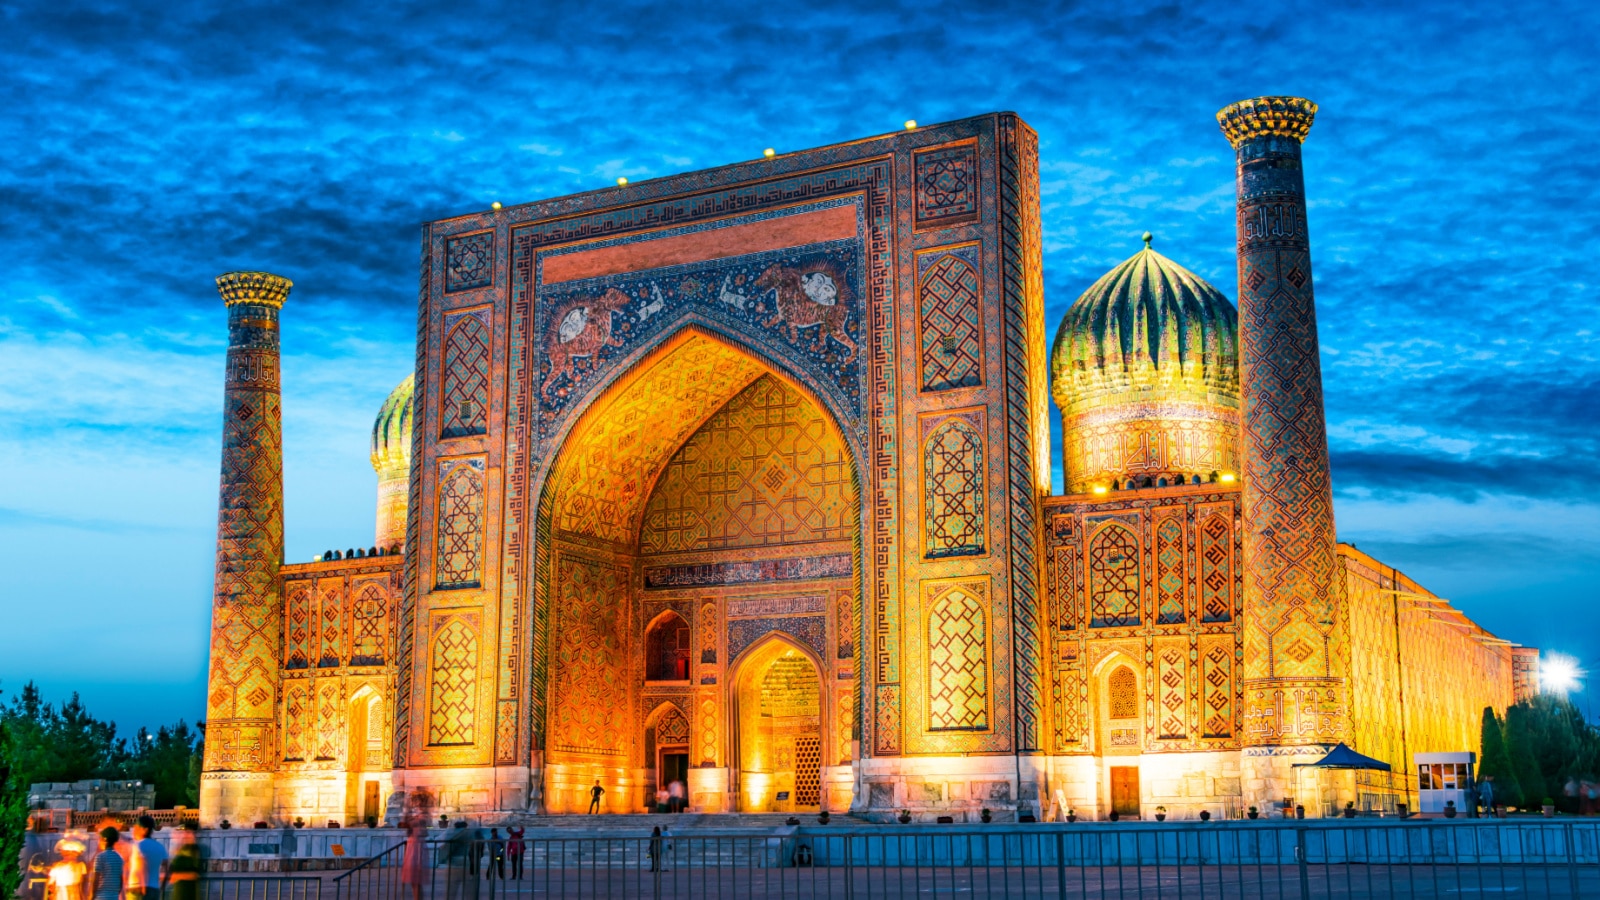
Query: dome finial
1147	237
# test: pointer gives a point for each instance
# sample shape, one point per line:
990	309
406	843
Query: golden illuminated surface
1289	117
1146	372
621	444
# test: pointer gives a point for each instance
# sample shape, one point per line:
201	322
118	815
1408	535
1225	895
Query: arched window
1122	690
667	649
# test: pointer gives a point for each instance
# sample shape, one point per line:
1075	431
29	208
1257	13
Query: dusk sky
1452	176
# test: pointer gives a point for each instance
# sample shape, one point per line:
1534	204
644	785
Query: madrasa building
742	478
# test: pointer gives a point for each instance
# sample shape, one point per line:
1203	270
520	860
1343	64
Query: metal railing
1238	861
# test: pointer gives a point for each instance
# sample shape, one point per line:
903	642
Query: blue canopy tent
1342	757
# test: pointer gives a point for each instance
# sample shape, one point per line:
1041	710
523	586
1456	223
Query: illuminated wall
337	671
897	279
1421	672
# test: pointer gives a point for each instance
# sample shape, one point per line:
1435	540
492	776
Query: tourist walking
68	877
676	796
108	867
595	793
1486	796
462	865
663	799
514	849
413	864
147	862
655	849
497	856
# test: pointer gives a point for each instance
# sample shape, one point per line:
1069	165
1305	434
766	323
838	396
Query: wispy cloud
1455	219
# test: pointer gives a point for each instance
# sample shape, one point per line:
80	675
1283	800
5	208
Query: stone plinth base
479	794
959	787
243	798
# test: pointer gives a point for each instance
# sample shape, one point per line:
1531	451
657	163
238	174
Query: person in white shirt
147	862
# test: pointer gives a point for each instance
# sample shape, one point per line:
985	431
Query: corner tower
247	602
1293	689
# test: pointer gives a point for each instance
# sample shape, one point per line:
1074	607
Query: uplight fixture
1099	489
1227	478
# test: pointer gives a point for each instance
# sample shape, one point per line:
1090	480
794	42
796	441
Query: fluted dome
1145	369
391	434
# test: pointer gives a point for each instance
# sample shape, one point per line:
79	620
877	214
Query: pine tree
1519	746
1495	762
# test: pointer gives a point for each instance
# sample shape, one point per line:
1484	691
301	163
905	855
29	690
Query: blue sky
1454	209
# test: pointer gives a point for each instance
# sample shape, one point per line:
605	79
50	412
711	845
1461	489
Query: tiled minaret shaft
247	602
1294	692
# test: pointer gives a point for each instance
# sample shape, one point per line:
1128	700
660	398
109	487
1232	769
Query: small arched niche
666	645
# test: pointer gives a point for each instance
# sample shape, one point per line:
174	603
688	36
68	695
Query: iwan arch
742	476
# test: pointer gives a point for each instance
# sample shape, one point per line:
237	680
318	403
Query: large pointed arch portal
703	485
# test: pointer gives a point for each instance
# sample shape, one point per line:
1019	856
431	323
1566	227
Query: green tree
1494	762
13	811
1520	736
164	760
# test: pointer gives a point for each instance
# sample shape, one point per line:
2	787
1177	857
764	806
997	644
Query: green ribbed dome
1150	312
1145	369
391	434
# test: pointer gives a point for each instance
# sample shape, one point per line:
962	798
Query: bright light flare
1560	674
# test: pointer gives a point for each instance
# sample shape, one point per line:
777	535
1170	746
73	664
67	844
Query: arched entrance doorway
776	709
364	755
703	503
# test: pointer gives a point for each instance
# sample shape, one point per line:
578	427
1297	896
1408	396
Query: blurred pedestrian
183	873
655	849
69	877
108	868
515	848
497	856
415	824
147	862
676	796
1486	795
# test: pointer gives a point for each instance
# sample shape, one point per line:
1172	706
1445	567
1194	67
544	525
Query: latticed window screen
460	524
366	643
953	491
1114	578
952	342
807	770
452	708
464	399
958	668
1123	688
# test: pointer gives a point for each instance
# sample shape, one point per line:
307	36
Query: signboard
783	795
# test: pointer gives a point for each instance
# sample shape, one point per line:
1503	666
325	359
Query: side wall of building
1421	672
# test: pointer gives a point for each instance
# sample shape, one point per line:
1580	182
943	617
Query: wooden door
1125	790
369	804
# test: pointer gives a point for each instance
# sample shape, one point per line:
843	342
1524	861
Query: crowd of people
114	866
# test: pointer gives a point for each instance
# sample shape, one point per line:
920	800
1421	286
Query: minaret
247	603
1293	689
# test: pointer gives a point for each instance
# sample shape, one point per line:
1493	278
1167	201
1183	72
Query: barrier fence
1049	862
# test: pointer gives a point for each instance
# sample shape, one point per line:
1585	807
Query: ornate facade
741	478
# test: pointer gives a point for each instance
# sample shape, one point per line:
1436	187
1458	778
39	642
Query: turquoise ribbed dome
1149	313
391	433
1145	369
